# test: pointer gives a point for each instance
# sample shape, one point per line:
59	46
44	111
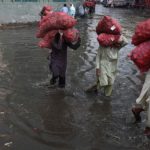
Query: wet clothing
106	62
144	99
58	57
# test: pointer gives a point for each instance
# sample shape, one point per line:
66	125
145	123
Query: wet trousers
107	88
61	82
58	73
144	99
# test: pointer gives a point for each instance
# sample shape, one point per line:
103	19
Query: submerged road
33	117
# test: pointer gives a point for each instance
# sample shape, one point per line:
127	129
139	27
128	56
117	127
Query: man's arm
75	45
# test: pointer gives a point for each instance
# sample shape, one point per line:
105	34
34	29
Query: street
34	117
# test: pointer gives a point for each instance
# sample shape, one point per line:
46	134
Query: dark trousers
58	70
61	82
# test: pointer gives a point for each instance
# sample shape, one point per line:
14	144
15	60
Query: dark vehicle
117	3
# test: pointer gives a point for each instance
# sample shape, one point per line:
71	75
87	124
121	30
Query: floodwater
33	117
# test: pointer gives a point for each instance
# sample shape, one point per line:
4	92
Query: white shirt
72	11
65	10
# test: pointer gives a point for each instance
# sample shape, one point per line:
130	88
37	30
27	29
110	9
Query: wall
23	12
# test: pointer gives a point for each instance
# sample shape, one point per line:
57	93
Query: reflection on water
35	117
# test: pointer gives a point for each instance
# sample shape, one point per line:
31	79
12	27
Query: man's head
65	5
60	32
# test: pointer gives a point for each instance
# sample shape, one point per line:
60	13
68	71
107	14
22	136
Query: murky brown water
35	117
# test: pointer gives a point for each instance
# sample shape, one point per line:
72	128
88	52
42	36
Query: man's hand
120	39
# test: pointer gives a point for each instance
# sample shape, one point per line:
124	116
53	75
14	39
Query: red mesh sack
55	21
65	21
94	2
47	12
71	35
47	23
142	32
108	39
44	19
47	40
47	8
141	56
108	25
89	4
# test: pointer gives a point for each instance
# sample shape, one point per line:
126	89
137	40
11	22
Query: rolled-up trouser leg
144	98
108	90
144	93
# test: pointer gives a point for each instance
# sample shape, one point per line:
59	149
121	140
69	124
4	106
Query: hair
65	5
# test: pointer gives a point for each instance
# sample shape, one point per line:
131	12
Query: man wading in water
58	59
